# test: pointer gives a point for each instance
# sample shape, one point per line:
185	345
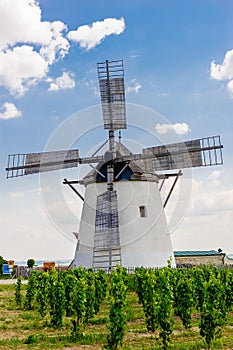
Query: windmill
123	220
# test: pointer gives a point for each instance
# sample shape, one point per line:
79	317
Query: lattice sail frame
195	153
32	163
112	93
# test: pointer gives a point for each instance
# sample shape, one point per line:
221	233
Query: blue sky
178	59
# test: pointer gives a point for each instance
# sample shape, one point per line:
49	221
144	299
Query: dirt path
12	281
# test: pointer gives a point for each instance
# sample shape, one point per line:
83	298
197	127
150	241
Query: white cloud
28	45
214	177
178	128
230	87
20	21
19	194
223	71
207	198
20	67
133	86
58	46
208	223
134	56
88	36
9	111
65	81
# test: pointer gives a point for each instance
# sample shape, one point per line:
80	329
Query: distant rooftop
198	253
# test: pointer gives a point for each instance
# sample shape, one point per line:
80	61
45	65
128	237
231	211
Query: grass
20	329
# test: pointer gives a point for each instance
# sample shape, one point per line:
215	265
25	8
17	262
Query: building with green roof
202	257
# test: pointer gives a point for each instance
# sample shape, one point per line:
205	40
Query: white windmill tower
123	220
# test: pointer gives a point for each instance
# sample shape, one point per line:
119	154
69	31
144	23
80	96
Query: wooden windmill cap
135	170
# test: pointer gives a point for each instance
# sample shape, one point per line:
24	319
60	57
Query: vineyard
150	309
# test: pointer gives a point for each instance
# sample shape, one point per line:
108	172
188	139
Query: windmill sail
32	163
195	153
106	251
112	93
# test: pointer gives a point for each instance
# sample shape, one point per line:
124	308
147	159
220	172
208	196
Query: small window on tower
142	211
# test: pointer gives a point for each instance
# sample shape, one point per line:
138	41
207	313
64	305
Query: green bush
31	263
2	261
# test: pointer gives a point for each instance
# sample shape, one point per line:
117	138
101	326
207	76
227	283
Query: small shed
200	257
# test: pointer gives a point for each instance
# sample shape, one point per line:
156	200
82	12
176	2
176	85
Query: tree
31	263
2	261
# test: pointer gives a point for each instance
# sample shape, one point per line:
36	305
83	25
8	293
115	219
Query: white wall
144	241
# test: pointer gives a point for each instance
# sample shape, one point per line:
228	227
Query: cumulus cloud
65	81
88	36
223	71
58	46
28	45
133	86
20	67
178	128
230	87
9	111
21	22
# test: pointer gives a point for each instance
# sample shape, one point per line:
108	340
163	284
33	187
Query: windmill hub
108	156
